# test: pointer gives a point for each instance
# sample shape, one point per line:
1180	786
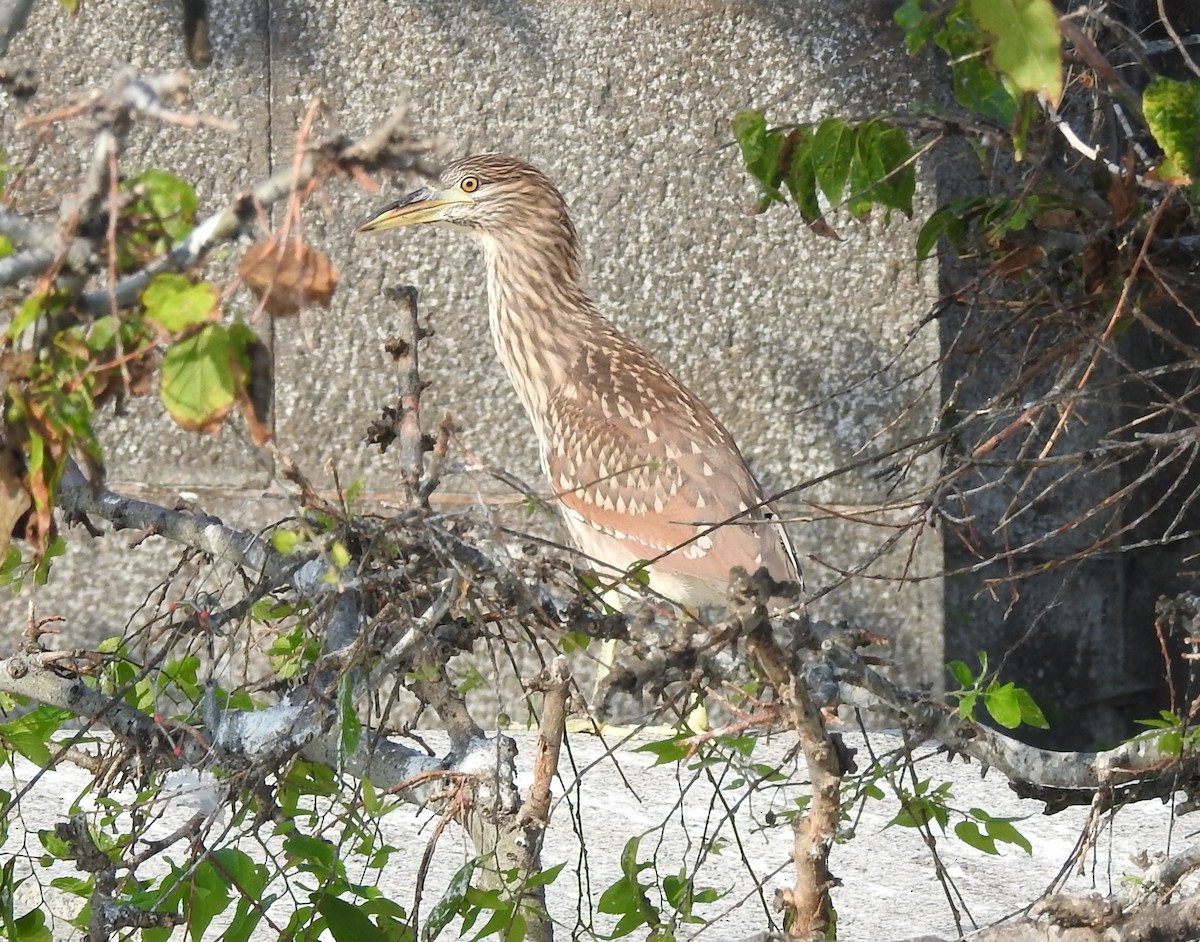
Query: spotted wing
643	470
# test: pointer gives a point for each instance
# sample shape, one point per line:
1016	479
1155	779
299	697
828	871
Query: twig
1177	39
555	683
412	449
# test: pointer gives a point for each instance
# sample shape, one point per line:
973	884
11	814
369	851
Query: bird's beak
423	205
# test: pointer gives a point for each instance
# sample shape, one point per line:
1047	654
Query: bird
645	476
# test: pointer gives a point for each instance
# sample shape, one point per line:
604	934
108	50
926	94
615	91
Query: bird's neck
541	318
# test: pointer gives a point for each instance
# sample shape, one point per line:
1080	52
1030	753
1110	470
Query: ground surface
890	887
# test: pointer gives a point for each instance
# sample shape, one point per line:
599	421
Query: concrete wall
626	105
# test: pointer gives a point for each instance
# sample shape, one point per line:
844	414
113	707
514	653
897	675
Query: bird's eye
469	184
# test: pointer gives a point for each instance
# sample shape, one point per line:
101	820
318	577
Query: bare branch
1132	761
78	497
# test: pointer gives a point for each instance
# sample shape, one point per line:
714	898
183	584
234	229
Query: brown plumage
640	466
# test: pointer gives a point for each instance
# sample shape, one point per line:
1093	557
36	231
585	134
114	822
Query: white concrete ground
889	890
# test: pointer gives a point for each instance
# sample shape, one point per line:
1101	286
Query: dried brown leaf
288	277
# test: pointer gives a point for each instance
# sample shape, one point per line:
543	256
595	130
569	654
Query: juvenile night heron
640	468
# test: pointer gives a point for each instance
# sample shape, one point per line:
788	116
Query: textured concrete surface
889	880
626	105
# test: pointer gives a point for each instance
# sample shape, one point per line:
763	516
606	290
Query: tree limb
1131	761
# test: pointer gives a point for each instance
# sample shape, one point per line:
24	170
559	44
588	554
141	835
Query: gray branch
866	688
42	246
78	497
25	674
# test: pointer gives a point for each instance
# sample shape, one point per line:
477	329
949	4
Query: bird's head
488	195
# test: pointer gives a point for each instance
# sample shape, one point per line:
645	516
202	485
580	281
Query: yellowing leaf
198	384
1173	116
174	303
1026	45
285	541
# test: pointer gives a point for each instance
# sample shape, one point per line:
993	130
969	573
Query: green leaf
832	152
8	569
1165	720
917	25
173	303
667	750
339	554
629	862
172	199
285	541
346	923
544	878
450	904
627	896
954	222
886	156
250	879
966	706
760	152
976	86
801	178
48	302
501	918
1025	43
1171	742
390	916
31	928
312	849
198	385
1173	115
1002	703
960	672
637	573
207	897
76	886
516	929
1002	830
31	734
6	246
968	832
1031	713
243	340
620	897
